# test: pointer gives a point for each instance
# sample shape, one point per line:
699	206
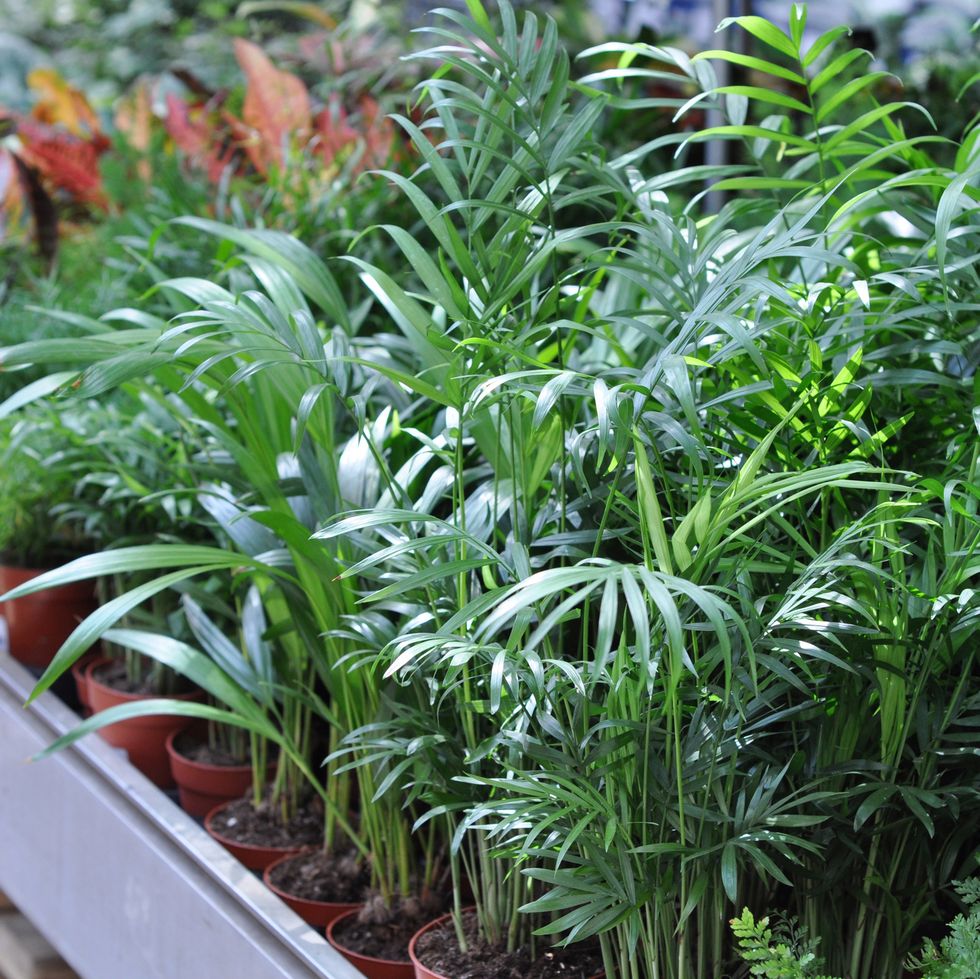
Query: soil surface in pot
241	822
317	876
194	749
438	950
116	676
384	933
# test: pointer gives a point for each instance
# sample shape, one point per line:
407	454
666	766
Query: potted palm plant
133	485
303	598
456	524
621	648
227	762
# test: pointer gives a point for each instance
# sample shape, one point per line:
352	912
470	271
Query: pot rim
81	665
416	961
349	951
100	661
34	572
202	766
350	905
288	851
70	593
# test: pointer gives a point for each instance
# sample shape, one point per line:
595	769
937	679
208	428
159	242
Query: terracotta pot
253	856
36	626
201	786
319	914
421	971
79	671
371	967
144	738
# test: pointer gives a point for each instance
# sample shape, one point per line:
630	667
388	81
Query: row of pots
149	743
36	627
329	915
205	790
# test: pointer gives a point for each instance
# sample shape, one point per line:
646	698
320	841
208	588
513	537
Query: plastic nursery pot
79	671
251	855
423	972
202	786
319	914
143	738
371	967
37	625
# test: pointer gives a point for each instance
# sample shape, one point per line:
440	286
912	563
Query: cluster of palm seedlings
627	548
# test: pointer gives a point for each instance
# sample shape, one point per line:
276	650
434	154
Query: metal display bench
120	880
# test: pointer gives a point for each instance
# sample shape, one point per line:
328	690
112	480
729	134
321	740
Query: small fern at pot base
780	953
957	956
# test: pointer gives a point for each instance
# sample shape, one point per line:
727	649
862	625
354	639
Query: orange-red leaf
374	134
64	161
195	131
379	134
276	112
11	194
190	134
333	132
60	104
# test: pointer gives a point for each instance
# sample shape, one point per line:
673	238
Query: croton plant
50	157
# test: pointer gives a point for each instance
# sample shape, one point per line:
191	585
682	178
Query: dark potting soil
242	822
317	876
115	675
200	751
438	950
384	933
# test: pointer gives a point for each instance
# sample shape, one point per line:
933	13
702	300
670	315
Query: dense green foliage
626	549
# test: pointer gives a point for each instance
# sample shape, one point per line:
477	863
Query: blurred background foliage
147	102
104	45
